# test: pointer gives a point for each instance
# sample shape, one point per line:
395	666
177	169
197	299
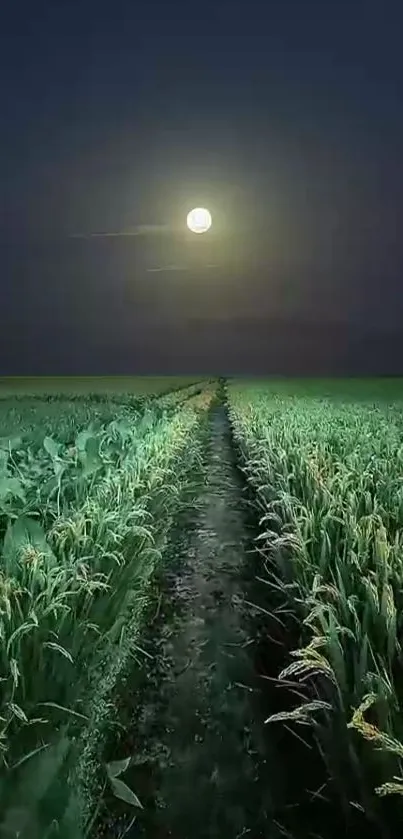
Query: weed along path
188	722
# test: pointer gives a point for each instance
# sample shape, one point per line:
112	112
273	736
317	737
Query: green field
198	576
27	385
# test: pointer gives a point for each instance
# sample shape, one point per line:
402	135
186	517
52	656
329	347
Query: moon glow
199	220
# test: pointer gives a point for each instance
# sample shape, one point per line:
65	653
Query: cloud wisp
139	230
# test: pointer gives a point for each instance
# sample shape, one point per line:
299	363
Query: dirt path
193	739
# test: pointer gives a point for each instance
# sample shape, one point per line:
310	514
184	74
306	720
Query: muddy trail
189	716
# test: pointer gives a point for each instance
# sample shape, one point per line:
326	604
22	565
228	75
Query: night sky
284	118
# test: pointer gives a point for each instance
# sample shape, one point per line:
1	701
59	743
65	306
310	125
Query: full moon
199	220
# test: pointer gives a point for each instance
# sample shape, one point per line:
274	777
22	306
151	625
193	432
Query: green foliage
326	474
118	787
84	511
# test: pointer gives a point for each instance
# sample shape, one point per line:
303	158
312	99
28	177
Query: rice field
85	507
84	385
326	476
95	486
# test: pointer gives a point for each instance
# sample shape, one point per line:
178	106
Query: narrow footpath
191	714
191	726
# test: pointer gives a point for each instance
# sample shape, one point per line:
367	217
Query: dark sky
285	118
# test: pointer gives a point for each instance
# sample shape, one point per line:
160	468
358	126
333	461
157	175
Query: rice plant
326	475
83	521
